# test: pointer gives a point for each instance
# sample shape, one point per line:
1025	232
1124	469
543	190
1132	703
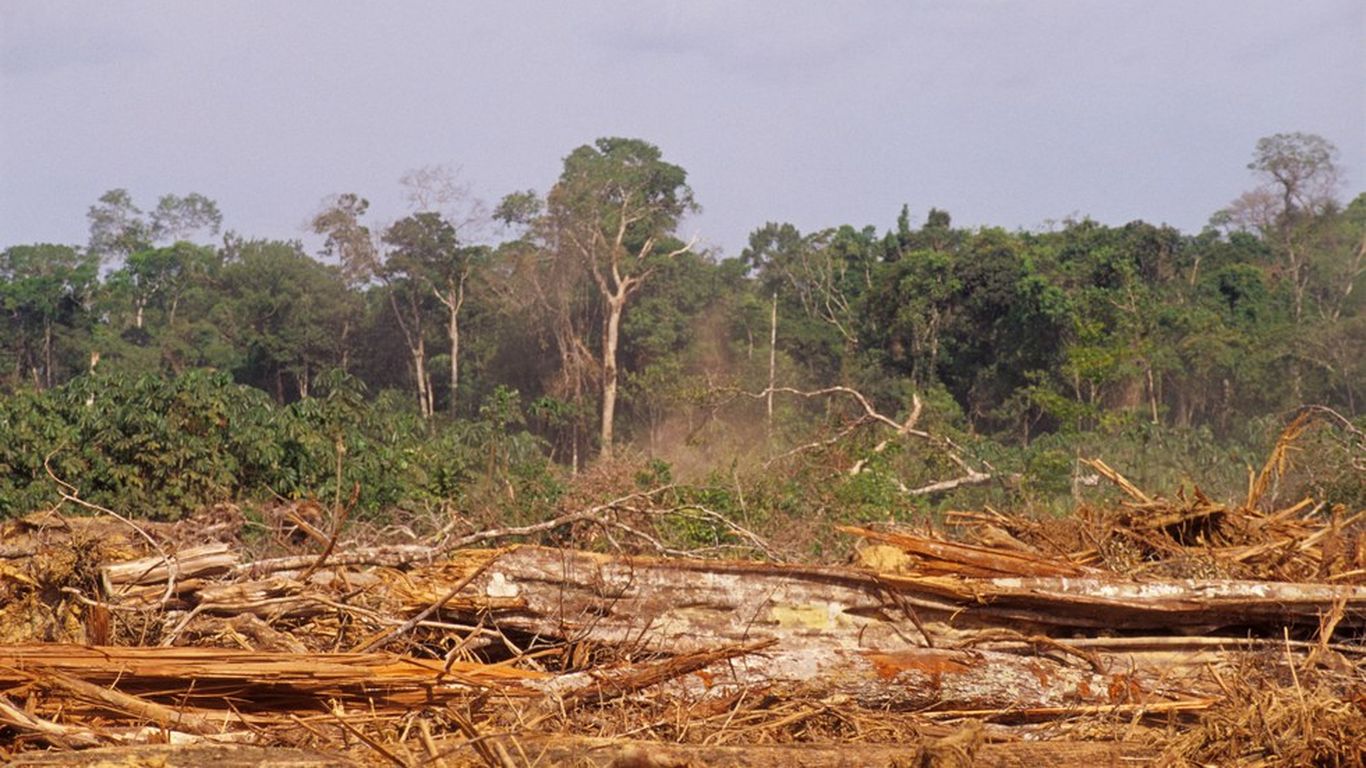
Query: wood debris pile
1004	641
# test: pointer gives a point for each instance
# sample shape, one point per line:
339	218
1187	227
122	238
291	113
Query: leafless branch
69	492
949	449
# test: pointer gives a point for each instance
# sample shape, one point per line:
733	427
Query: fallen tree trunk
673	605
679	606
907	679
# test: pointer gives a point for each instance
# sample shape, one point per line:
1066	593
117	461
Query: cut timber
187	563
623	753
178	756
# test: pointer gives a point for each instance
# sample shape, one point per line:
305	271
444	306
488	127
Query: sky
1013	114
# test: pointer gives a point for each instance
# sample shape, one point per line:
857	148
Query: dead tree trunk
453	299
616	303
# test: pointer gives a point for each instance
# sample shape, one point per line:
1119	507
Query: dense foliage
422	365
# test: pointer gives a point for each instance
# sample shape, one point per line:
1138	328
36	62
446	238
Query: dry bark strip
680	606
621	753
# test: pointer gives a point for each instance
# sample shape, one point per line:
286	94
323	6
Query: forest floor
1160	631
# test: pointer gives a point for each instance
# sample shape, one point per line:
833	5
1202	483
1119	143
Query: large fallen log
912	679
672	605
678	605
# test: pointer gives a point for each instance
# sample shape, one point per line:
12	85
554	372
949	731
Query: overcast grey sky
817	113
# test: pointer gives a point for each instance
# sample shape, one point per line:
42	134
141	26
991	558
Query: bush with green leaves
158	448
144	445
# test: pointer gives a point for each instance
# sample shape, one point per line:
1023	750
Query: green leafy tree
1300	179
157	310
285	313
45	293
119	228
347	239
819	280
426	260
615	209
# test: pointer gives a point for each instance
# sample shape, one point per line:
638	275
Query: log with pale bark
206	560
679	605
917	679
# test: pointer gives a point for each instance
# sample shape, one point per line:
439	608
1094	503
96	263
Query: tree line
586	303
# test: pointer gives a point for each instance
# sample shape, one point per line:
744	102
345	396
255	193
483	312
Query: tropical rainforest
568	345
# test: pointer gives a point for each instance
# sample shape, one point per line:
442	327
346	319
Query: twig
56	734
494	757
428	611
907	609
951	451
341	513
819	444
756	542
551	524
375	745
425	733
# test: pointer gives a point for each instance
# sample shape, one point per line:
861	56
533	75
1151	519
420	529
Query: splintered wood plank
208	677
1124	604
186	563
